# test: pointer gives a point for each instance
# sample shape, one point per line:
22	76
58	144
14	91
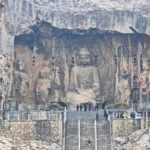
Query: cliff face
31	135
116	15
50	34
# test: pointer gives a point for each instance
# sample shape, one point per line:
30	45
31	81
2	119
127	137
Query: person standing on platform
77	107
97	107
89	106
80	107
97	116
85	107
103	105
93	107
106	113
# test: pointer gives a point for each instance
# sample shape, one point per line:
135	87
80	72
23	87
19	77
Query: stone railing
33	115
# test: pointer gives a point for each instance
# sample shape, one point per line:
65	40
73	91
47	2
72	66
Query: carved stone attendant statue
84	81
21	81
42	88
135	90
145	81
123	85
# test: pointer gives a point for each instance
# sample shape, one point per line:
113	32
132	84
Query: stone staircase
71	135
103	135
87	130
85	115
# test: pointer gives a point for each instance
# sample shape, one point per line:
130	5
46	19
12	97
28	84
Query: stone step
87	115
87	131
104	147
71	137
86	147
71	147
103	136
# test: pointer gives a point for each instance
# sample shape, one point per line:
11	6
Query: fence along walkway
35	115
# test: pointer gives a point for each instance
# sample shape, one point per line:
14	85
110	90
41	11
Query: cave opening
118	58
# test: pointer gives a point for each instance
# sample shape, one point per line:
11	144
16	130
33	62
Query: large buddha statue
84	81
42	88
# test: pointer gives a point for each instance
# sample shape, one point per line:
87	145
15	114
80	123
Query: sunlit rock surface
70	14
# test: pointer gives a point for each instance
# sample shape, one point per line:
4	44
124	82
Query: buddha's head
47	63
43	73
84	56
145	64
22	65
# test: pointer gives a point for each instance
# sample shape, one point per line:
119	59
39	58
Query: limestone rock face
83	14
30	135
136	141
50	33
7	144
36	145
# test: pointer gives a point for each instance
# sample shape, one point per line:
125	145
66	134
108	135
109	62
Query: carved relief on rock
9	71
84	81
123	84
43	87
21	81
1	10
6	69
56	85
145	81
135	94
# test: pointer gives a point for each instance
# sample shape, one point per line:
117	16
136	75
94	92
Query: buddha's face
43	74
84	57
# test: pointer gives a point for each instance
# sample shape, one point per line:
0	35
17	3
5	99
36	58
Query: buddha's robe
84	85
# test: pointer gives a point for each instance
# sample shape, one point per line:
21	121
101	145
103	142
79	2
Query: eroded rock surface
138	140
83	14
7	144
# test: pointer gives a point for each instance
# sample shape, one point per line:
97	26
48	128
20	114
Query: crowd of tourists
107	114
87	107
121	115
124	115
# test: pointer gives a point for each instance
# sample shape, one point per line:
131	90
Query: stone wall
125	127
24	133
130	134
